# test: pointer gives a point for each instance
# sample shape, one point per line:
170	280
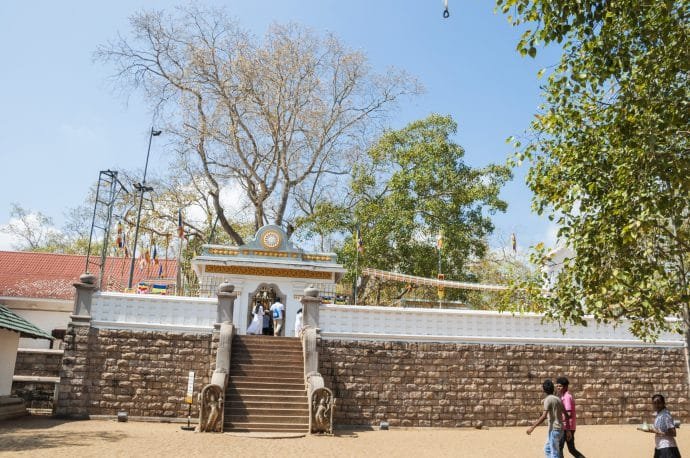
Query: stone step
267	340
266	354
239	411
241	380
263	371
264	403
270	418
265	360
254	394
277	387
241	427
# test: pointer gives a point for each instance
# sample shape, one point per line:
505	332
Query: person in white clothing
298	323
278	313
257	324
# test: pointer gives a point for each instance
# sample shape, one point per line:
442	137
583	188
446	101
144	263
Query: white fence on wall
350	322
153	312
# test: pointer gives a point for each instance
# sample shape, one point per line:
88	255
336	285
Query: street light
142	188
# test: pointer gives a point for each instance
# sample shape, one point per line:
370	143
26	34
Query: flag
513	242
358	241
180	226
119	240
439	240
155	254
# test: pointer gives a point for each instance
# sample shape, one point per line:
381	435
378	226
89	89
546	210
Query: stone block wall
449	385
38	362
33	362
144	373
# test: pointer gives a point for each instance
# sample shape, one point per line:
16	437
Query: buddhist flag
180	226
358	241
513	242
119	240
155	254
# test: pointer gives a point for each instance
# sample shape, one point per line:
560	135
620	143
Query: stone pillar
74	388
310	307
226	303
83	297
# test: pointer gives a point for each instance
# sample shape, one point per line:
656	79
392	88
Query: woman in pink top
568	423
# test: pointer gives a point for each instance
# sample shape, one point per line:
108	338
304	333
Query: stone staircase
266	391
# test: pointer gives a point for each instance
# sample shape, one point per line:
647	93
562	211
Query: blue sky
61	122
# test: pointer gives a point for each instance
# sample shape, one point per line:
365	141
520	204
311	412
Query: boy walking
554	411
568	436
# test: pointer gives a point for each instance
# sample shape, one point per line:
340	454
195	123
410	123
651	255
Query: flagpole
178	280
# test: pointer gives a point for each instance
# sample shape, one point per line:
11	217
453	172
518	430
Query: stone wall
448	385
141	372
38	362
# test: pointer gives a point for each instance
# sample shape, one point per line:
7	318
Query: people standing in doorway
664	430
568	436
257	324
554	411
278	313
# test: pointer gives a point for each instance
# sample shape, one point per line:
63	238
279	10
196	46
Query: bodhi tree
281	117
413	186
610	160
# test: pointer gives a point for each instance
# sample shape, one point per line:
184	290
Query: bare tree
33	230
280	117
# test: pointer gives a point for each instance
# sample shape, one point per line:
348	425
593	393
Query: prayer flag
439	240
180	226
513	242
359	241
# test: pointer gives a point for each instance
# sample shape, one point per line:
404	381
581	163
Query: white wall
9	341
47	314
441	325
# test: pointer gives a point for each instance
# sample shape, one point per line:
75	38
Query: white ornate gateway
265	269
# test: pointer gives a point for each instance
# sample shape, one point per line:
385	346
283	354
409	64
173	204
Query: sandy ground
48	437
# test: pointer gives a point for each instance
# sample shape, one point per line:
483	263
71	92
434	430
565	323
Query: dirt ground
48	437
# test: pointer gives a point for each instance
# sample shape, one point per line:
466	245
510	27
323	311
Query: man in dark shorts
664	430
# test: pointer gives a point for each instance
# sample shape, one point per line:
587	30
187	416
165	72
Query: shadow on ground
33	433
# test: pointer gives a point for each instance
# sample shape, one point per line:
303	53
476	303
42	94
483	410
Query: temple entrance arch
265	295
269	260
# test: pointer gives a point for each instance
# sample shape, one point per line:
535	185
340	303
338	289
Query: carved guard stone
322	404
211	409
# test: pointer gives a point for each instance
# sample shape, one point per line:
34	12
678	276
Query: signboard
190	388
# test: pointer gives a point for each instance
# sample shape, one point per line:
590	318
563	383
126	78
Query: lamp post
142	188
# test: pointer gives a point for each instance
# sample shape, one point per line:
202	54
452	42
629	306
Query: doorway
265	295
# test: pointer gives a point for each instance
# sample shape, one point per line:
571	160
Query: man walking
278	313
664	430
553	410
568	423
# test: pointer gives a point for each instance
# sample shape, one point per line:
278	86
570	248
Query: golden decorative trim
223	251
314	257
267	272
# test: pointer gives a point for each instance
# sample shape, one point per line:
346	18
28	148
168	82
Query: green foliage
609	156
415	186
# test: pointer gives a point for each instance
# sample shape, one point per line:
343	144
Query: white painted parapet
152	312
350	322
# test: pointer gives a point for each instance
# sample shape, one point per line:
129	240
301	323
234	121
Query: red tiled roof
50	275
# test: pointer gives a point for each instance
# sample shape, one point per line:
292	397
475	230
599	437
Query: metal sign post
189	398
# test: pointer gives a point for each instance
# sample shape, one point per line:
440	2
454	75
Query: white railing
152	312
350	322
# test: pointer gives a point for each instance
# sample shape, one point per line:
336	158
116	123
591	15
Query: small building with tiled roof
38	286
12	327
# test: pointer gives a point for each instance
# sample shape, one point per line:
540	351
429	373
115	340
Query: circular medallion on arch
271	239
